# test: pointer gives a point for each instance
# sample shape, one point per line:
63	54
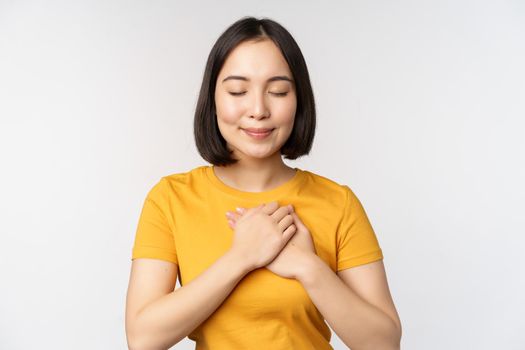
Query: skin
290	263
260	166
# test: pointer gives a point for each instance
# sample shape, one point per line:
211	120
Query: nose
259	108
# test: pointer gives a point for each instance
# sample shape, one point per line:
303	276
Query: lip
258	130
259	133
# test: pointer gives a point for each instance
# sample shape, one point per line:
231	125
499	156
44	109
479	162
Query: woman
265	253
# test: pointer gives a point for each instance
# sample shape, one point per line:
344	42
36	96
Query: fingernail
239	210
228	214
291	207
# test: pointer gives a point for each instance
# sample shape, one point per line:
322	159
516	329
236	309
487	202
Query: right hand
261	233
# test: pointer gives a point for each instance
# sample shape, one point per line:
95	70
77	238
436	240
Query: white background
420	111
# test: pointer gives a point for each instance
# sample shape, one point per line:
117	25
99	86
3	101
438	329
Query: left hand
291	262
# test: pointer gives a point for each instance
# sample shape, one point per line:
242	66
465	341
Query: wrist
310	264
239	261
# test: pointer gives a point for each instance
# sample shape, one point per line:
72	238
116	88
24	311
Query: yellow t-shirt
183	221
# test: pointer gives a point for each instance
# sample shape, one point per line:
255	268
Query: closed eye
274	93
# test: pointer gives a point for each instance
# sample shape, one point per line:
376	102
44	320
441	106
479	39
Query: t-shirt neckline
263	196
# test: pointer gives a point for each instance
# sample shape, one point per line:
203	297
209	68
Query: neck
255	175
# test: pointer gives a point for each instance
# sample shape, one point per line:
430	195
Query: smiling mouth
258	134
258	130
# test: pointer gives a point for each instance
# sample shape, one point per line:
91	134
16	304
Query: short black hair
210	143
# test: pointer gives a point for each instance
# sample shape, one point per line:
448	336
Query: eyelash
280	94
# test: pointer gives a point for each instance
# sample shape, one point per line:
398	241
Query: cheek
286	114
228	113
228	116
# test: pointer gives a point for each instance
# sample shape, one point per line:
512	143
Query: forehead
255	60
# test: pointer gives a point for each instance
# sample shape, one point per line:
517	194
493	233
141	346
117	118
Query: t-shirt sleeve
357	243
154	236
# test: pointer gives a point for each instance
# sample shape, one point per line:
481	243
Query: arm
355	302
157	317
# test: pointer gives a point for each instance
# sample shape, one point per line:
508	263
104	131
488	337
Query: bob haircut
210	143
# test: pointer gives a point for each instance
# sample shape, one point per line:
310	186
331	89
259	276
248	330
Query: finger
233	216
240	210
288	233
280	213
297	221
270	207
285	222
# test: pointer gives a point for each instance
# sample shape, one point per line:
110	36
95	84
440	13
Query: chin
261	155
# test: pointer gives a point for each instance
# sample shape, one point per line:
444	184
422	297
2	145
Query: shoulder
177	183
338	192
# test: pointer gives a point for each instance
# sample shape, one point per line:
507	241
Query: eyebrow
275	78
